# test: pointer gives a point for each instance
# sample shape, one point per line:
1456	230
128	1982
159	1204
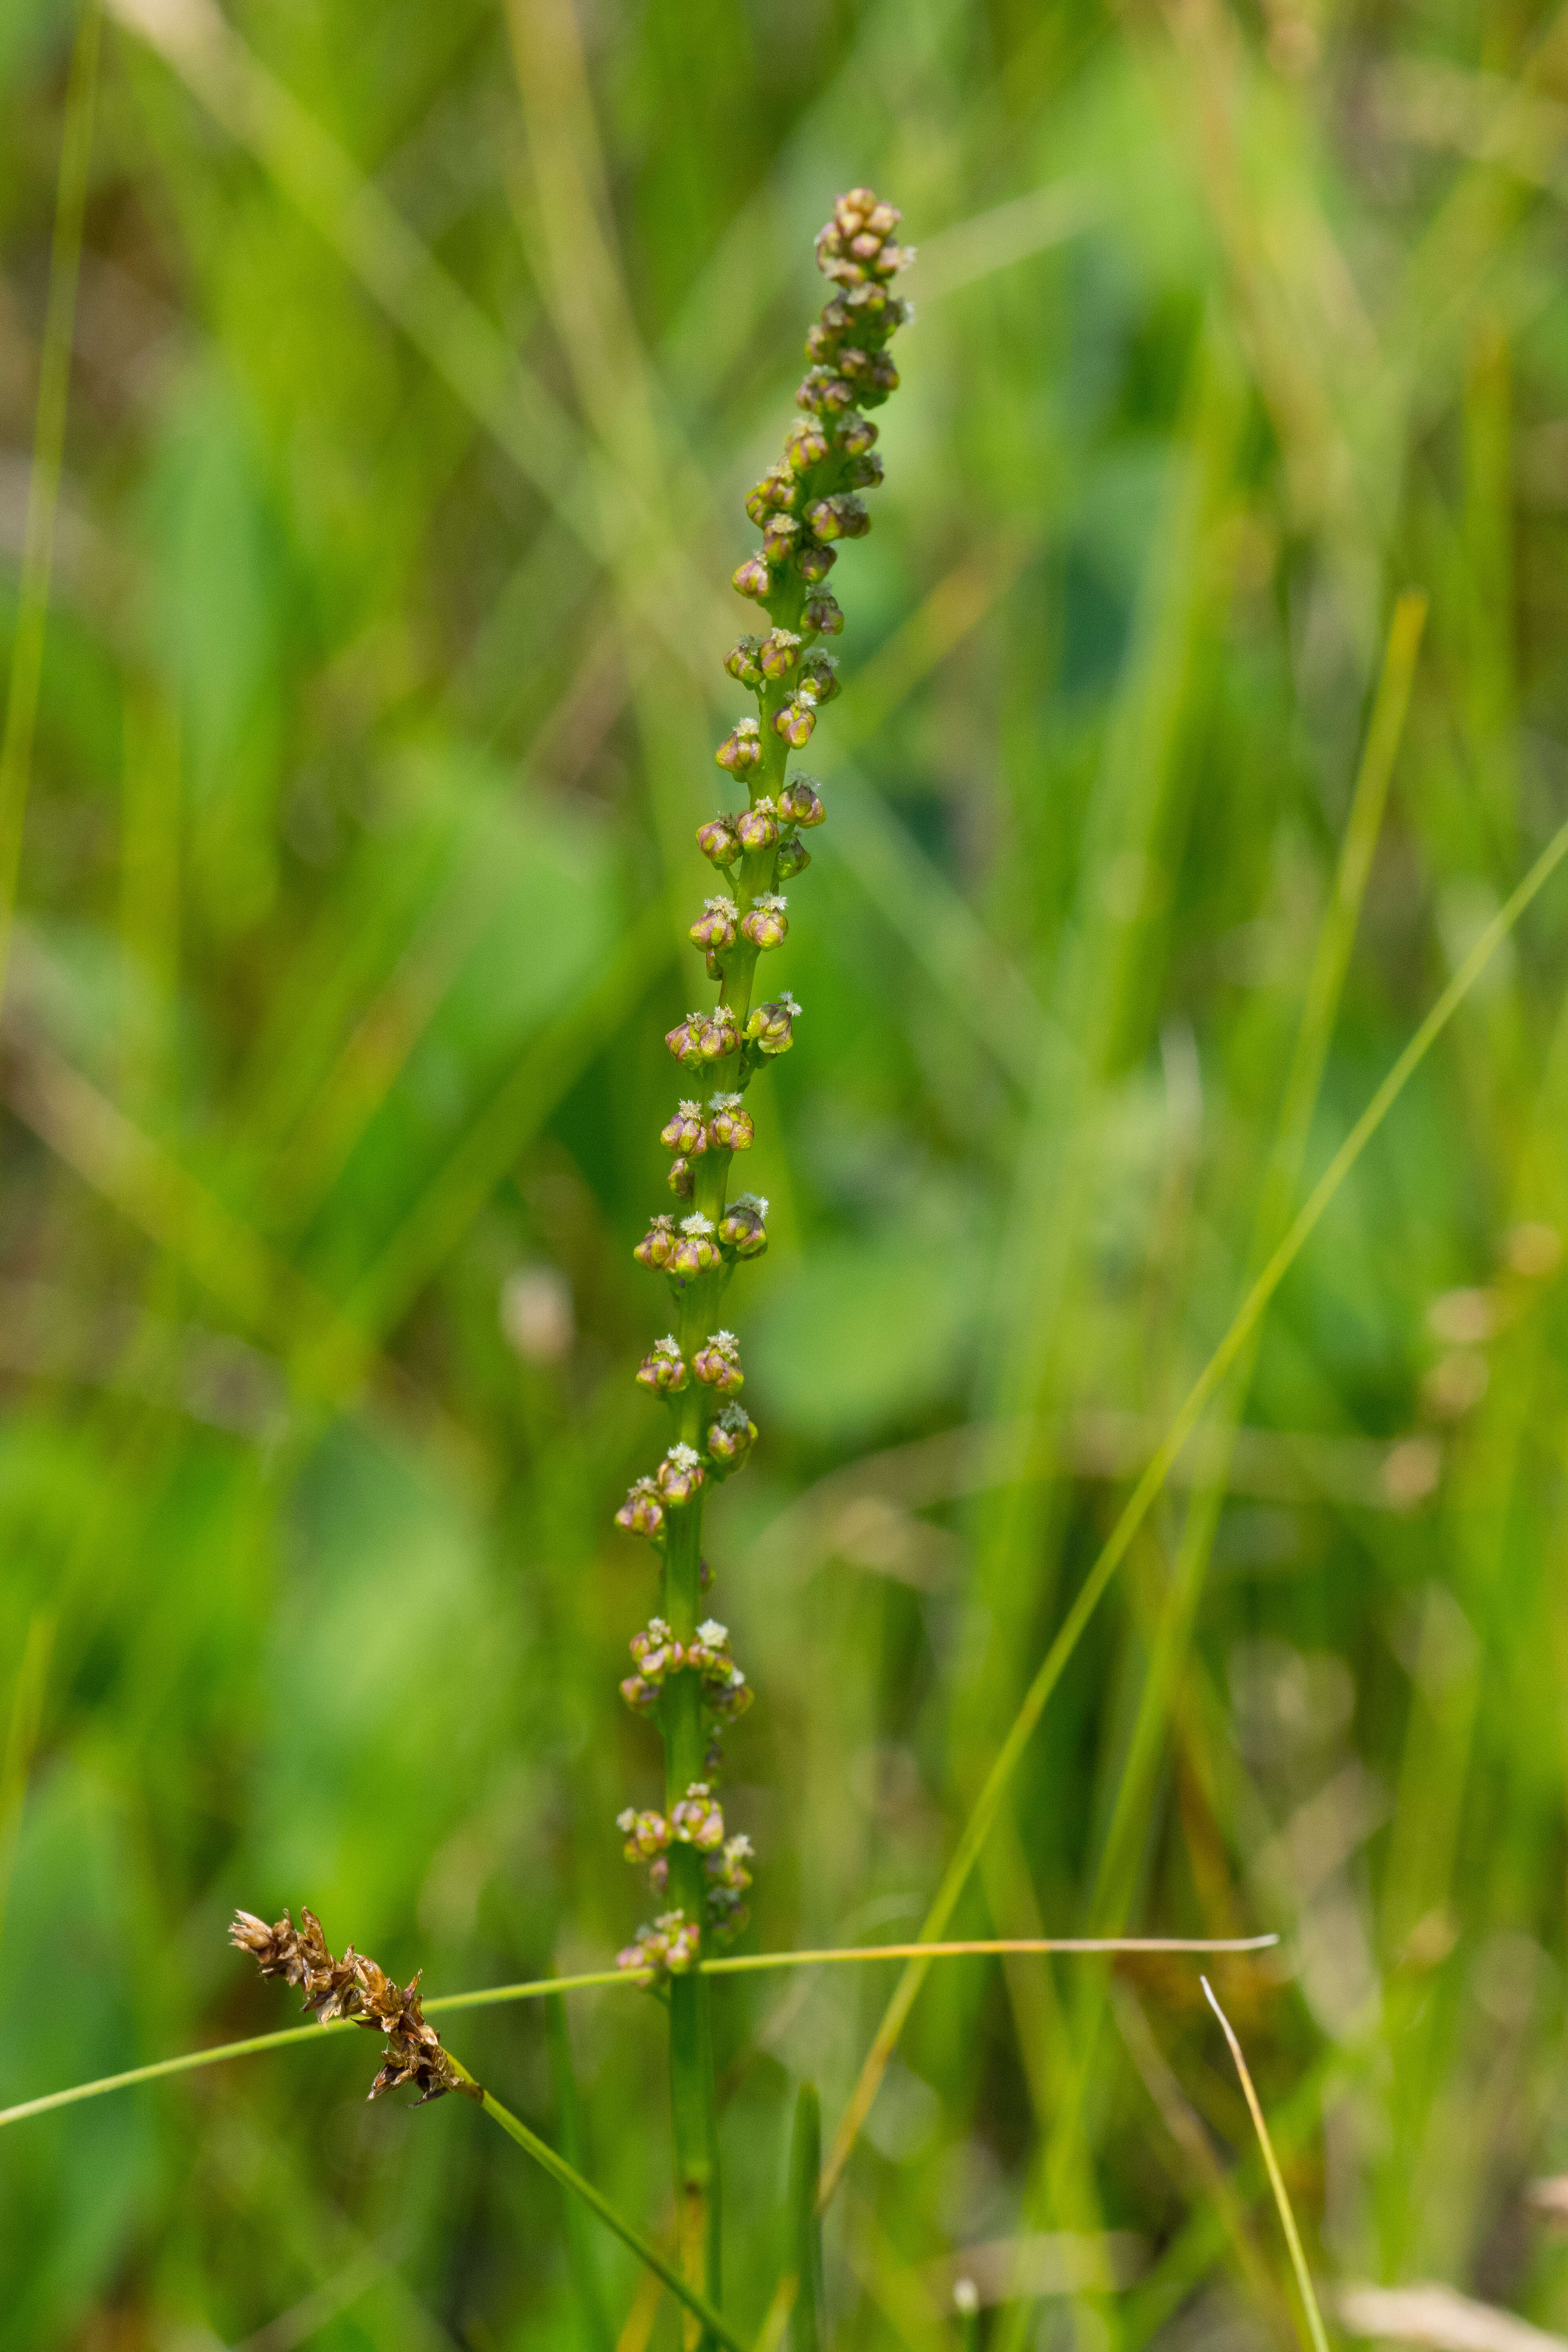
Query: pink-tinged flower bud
731	1437
715	926
770	1027
764	921
731	1127
795	722
862	474
883	218
717	1363
824	394
658	1244
800	802
779	536
793	857
741	662
752	579
682	1182
823	615
680	1474
718	1034
775	493
716	841
652	1648
696	1250
818	678
684	1131
642	1513
663	1369
778	653
883	383
743	1226
646	1834
695	1820
740	748
640	1697
815	562
841	517
855	435
758	827
805	445
682	1039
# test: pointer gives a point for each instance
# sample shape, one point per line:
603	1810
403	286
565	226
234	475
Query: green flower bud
800	802
818	678
682	1182
862	474
716	841
731	1436
684	1131
778	653
740	749
694	1252
765	922
656	1246
743	1226
841	517
855	435
697	1820
769	1026
715	926
741	662
779	536
646	1834
823	615
731	1127
680	1474
805	445
752	578
815	562
682	1039
793	857
717	1035
758	827
663	1369
717	1363
795	722
642	1513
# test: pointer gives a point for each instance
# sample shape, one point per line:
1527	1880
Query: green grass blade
807	2319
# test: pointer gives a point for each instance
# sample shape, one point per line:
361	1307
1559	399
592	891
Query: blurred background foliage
422	358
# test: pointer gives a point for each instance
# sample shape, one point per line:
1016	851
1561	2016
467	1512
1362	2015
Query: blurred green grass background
422	358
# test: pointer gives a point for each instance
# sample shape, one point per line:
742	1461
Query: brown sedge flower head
356	1988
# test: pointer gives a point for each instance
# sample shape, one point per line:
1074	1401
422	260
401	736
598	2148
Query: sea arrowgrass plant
686	1680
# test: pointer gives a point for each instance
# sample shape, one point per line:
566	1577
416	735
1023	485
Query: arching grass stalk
686	1679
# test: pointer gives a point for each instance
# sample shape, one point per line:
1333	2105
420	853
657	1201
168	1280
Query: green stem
711	2325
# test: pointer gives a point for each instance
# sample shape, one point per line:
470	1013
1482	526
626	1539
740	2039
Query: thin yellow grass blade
1317	2334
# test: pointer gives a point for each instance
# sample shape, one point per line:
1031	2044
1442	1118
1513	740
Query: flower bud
646	1834
823	393
795	722
717	1363
855	435
800	802
862	474
769	1026
654	1649
841	517
741	662
682	1182
640	1697
731	1127
743	1226
765	922
731	1437
695	1820
815	562
778	653
681	1474
716	841
752	578
663	1369
642	1513
824	614
758	827
818	678
805	445
740	749
658	1244
793	857
682	1039
695	1251
715	926
779	536
718	1034
775	493
685	1131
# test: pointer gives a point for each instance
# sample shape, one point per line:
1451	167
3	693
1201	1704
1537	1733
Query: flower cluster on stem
809	499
